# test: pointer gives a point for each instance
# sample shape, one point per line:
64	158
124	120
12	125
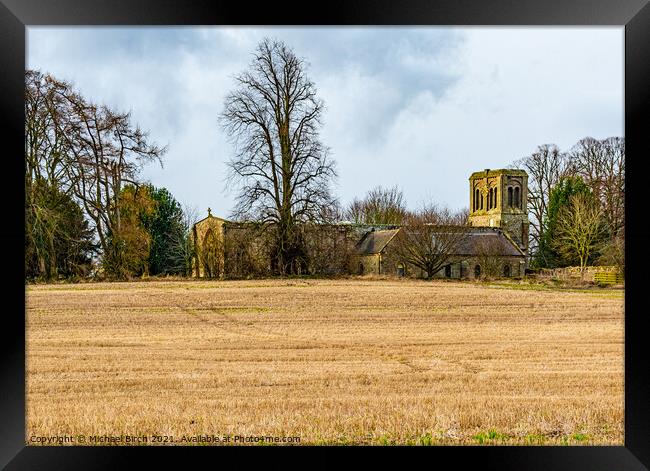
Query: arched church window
495	197
476	197
510	197
517	198
489	206
481	201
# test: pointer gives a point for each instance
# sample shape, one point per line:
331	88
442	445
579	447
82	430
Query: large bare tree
545	167
87	152
601	164
46	149
430	237
57	238
108	151
280	166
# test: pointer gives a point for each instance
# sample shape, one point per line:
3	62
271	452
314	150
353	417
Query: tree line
87	210
577	203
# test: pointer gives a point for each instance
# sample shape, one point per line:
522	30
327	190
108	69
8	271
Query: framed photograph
413	225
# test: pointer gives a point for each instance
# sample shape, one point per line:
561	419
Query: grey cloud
417	107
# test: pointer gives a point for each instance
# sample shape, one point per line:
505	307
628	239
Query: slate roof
495	238
375	241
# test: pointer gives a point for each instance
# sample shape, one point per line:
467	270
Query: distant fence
601	275
608	277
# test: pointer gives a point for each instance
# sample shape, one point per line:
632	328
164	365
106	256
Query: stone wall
460	268
365	265
208	243
574	273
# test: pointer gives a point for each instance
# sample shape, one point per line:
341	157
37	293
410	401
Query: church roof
479	240
482	239
375	241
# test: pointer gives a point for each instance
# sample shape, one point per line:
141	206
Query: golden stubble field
345	361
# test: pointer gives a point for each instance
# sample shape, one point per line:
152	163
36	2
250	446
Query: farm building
496	242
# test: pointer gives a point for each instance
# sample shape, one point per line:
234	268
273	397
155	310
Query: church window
495	197
490	199
400	270
506	270
477	271
517	198
510	197
481	201
448	271
476	197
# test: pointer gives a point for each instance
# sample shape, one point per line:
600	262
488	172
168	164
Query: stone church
496	243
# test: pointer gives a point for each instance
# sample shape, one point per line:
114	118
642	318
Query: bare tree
613	252
88	153
355	211
109	152
57	239
281	167
246	248
183	250
430	237
580	229
545	167
463	215
43	151
379	206
332	213
601	164
46	149
329	247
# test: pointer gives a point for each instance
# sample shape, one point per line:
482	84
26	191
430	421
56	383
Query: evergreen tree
58	239
168	234
547	255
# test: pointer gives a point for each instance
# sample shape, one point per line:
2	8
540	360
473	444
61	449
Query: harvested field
345	361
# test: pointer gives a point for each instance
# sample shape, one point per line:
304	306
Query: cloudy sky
420	108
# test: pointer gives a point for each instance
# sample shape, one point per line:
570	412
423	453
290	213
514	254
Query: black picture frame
634	15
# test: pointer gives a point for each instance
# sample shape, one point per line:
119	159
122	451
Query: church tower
499	198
